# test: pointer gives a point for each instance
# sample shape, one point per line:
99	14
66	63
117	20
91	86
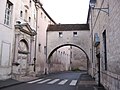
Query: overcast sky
67	11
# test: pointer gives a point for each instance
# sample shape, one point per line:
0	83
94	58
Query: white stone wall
7	36
6	42
110	78
82	40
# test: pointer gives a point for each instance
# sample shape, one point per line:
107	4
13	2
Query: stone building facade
105	39
75	35
23	25
43	21
6	38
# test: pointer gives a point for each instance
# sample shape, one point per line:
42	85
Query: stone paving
86	82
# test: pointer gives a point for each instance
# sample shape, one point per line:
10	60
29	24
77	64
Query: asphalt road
59	81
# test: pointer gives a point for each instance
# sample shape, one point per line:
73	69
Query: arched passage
49	56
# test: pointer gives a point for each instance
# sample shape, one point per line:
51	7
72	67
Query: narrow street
59	81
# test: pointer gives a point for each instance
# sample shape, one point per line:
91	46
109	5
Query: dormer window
75	34
60	34
25	15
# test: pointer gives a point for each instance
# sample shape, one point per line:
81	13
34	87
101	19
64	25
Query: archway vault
49	56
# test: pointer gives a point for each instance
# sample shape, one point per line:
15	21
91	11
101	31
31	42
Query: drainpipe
47	62
99	84
92	40
36	6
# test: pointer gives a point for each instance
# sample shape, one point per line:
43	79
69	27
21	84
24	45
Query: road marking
73	83
63	82
52	82
44	81
35	81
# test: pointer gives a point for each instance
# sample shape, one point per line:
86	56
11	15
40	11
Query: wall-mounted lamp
92	5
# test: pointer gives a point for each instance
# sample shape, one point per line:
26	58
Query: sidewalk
8	83
12	82
86	82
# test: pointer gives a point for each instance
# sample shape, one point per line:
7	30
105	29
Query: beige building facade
41	45
6	38
23	25
71	35
104	26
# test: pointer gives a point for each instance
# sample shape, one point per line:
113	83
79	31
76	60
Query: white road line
44	81
63	82
52	82
35	81
73	82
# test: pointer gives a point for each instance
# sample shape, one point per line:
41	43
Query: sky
67	11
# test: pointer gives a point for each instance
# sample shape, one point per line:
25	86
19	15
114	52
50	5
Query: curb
12	85
18	83
77	85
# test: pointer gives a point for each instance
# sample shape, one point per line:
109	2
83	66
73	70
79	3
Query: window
30	3
8	13
60	34
74	34
105	50
41	15
45	17
45	50
39	47
34	17
25	15
29	19
21	13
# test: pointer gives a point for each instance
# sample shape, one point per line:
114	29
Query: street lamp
92	5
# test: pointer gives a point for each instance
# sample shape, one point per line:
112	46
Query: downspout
35	37
92	39
46	71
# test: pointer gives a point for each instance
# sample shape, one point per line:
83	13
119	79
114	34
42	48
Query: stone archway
49	56
22	57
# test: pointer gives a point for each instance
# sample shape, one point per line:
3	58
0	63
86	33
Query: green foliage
75	69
